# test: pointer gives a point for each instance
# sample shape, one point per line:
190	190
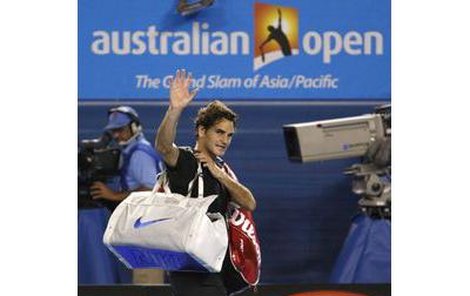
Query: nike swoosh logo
139	224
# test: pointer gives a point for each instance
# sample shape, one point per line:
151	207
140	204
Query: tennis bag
244	246
168	231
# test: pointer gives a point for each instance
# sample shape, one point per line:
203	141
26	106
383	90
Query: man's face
122	134
216	139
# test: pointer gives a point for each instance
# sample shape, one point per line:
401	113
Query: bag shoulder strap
163	181
200	183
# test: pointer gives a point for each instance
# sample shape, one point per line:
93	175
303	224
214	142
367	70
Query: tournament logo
276	33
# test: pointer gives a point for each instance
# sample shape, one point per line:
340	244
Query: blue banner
297	49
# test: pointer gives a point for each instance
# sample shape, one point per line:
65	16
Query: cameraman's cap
117	119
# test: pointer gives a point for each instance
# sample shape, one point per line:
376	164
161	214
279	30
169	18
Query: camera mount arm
373	184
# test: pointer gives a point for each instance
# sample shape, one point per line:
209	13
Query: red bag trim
242	222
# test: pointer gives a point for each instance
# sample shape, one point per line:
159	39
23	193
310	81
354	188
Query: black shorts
197	284
224	283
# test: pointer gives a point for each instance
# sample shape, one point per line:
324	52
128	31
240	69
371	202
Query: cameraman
139	163
138	168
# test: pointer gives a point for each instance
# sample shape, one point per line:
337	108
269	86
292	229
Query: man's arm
142	169
180	97
279	26
100	190
238	192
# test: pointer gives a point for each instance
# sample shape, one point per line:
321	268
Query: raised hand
180	95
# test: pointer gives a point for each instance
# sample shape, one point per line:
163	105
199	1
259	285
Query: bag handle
163	182
200	183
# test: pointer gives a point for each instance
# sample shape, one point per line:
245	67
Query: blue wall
304	210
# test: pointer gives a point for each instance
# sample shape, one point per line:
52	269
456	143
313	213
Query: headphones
135	125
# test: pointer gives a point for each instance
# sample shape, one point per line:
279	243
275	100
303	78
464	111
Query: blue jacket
140	165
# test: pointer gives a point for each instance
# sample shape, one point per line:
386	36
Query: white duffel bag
168	231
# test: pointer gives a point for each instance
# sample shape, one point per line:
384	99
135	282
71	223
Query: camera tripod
373	184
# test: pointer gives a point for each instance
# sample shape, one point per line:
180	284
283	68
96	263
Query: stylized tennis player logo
276	33
279	36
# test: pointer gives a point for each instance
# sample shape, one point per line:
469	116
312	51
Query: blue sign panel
297	49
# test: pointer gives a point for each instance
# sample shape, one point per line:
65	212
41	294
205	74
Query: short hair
212	113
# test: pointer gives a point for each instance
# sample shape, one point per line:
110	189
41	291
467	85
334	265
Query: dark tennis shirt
193	283
185	170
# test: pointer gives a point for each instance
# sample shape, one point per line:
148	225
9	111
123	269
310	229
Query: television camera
97	161
367	136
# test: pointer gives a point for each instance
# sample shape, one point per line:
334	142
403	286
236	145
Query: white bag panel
208	243
170	222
